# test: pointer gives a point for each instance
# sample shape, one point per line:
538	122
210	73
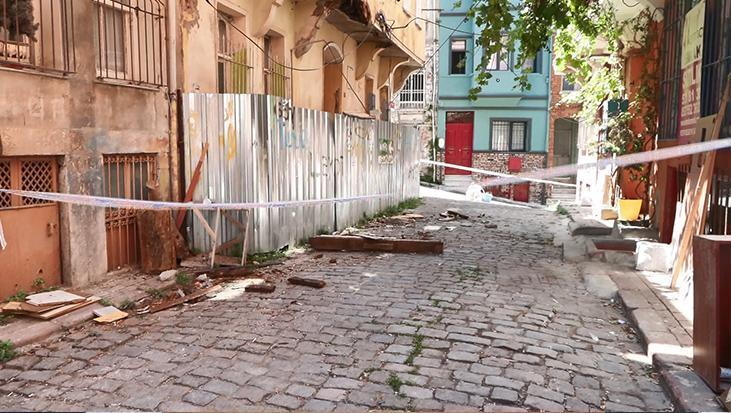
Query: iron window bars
129	39
37	35
508	136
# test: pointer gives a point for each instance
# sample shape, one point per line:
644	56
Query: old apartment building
88	104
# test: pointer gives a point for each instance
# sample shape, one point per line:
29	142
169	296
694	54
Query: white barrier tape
493	173
624	160
107	202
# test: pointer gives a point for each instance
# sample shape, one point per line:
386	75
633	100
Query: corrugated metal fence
261	149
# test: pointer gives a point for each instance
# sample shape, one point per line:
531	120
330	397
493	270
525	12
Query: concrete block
633	299
588	227
600	285
653	256
609	213
688	392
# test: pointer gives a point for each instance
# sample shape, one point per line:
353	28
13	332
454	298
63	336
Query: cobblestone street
497	320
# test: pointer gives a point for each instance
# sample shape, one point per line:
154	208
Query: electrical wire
432	22
354	92
289	67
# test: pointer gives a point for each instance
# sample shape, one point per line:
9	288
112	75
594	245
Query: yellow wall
198	34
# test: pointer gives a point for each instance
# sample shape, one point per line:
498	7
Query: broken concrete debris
184	299
168	275
432	228
370	243
265	288
307	282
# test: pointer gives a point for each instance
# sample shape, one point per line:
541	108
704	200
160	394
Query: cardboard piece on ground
53	298
109	315
105	310
17	307
185	299
48	315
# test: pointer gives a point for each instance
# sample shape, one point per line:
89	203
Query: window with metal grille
234	65
38	35
277	74
458	57
27	174
671	80
127	176
129	39
412	94
508	136
716	59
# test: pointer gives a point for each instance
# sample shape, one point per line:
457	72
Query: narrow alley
497	323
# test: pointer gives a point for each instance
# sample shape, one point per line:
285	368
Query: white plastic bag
474	192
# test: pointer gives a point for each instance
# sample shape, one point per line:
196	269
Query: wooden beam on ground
696	218
307	282
193	184
355	243
181	300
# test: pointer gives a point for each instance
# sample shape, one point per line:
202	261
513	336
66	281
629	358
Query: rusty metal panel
126	176
261	149
30	226
33	249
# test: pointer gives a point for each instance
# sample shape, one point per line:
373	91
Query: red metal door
458	147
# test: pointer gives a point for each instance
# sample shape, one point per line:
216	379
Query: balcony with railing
412	94
37	35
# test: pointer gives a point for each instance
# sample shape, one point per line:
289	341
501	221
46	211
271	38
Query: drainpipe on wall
548	120
171	45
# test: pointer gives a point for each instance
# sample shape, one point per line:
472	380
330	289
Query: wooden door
32	256
458	147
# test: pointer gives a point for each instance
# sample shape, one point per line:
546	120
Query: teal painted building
505	123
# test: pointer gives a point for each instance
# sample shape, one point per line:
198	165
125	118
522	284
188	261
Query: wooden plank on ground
17	307
307	282
354	243
181	300
57	312
53	298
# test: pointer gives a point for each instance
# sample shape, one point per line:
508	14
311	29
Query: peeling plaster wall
199	35
78	119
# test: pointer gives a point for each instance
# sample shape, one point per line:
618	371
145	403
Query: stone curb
687	391
24	332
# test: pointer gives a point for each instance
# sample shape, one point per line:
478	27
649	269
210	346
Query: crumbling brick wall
498	162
